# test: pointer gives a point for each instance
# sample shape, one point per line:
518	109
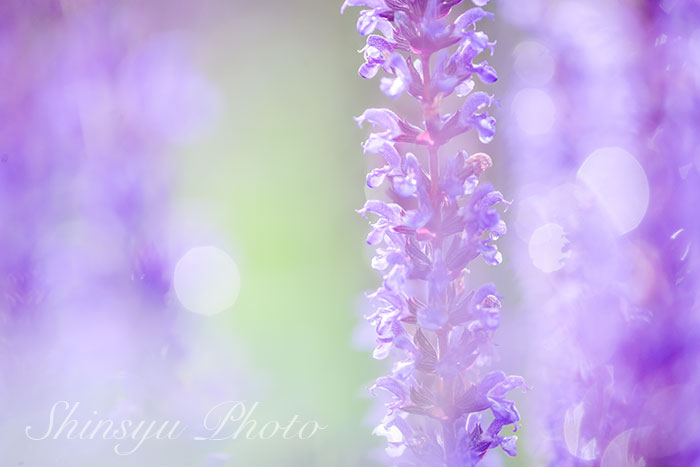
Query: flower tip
478	163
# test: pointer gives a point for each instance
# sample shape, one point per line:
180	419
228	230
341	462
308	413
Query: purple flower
618	311
437	220
86	259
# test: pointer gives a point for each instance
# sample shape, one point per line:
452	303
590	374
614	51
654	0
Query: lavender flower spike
438	221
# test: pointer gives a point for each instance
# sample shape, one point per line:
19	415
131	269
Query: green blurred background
281	173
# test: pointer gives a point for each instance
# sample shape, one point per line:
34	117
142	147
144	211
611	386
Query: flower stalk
426	314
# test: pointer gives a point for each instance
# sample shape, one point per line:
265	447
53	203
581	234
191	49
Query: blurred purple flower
86	257
437	221
609	219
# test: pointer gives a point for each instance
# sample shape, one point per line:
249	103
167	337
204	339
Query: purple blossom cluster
85	201
608	212
83	210
436	220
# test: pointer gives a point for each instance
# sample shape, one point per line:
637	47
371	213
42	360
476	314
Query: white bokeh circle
620	185
206	280
546	247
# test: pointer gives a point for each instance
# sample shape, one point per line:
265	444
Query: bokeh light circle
619	184
206	280
546	247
